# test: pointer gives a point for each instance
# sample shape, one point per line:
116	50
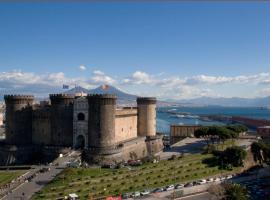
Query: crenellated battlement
61	95
146	100
9	97
102	96
61	99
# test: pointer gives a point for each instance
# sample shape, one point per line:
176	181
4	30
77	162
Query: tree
202	133
256	149
261	152
235	192
223	134
234	156
238	128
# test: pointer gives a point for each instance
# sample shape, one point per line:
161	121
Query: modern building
264	132
179	132
1	119
92	123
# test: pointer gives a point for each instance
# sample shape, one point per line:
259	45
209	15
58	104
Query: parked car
108	165
136	194
195	183
201	182
222	178
216	179
229	177
126	196
134	162
188	185
145	192
209	180
179	186
169	187
158	190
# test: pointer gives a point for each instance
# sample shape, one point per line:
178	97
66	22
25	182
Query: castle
92	123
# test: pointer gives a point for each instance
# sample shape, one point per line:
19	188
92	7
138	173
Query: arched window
80	117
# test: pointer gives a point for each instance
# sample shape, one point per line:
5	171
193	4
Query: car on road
158	190
126	196
222	178
216	179
209	180
136	194
201	182
145	192
188	185
169	187
229	177
179	186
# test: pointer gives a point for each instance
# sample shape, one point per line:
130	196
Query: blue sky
170	50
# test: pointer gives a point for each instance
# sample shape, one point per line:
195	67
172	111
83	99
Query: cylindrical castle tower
19	119
62	119
146	116
101	122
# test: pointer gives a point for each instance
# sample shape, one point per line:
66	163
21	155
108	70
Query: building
179	132
264	132
92	123
1	119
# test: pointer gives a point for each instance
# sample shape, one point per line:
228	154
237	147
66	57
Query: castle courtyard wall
41	127
125	124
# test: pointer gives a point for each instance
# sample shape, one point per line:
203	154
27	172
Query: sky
174	50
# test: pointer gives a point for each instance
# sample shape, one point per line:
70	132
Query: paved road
28	189
201	196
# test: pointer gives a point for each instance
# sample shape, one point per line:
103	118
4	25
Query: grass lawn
8	176
98	182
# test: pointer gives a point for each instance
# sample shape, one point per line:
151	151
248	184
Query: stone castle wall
41	126
18	119
62	119
108	132
125	124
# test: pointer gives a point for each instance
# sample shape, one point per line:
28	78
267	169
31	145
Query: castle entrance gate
80	142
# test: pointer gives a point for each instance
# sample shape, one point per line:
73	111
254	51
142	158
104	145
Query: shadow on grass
211	162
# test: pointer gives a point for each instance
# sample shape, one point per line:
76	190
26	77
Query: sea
190	115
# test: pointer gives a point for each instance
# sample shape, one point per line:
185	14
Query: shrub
123	183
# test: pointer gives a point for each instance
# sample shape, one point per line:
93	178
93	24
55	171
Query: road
201	196
28	189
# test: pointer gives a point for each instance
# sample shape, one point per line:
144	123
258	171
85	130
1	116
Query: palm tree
235	192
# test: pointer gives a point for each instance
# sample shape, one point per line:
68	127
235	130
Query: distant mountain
122	97
129	99
108	89
77	89
235	101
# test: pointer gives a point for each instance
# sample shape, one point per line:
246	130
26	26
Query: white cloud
100	77
138	78
82	67
204	79
140	82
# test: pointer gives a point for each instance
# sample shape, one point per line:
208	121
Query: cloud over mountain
140	83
